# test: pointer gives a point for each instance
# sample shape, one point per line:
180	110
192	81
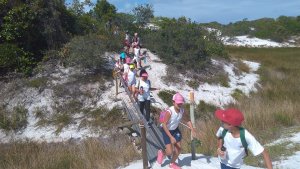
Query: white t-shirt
131	77
175	118
235	151
146	87
126	68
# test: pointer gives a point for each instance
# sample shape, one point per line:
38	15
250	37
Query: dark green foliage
205	111
104	11
33	27
143	14
279	29
166	96
182	44
14	120
13	58
126	22
88	51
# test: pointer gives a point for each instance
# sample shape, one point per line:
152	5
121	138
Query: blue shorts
223	166
175	133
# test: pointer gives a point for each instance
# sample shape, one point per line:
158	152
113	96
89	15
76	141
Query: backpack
162	115
242	136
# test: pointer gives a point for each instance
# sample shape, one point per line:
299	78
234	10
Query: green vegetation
220	78
38	82
14	120
166	96
274	109
237	94
204	111
102	117
277	152
279	29
241	66
275	106
181	43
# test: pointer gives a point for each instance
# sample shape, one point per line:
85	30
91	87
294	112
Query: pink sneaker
174	166
160	156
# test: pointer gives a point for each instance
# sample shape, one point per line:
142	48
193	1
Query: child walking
170	131
234	141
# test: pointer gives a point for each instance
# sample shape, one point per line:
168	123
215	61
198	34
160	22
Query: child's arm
267	159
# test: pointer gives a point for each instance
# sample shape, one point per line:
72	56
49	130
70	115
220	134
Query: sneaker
174	166
149	123
160	156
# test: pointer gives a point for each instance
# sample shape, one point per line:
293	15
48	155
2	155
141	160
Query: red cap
231	116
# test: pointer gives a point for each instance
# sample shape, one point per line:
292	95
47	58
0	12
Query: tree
77	7
104	11
143	14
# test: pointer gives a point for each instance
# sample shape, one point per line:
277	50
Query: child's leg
147	108
142	106
177	150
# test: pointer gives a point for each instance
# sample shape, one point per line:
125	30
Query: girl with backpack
170	131
233	146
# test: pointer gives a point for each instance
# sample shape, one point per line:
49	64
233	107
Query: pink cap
231	116
144	74
178	98
128	60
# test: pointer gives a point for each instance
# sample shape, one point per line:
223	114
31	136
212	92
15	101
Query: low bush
166	96
204	111
13	58
14	120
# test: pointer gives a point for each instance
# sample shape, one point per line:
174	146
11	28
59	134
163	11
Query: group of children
233	141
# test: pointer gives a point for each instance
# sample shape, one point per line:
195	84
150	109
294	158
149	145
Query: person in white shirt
131	78
170	131
230	149
142	93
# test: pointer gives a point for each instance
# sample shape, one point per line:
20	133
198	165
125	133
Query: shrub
237	94
193	84
88	51
13	58
283	118
14	120
38	83
204	111
166	96
242	66
182	44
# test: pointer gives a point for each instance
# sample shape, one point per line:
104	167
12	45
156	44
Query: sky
222	11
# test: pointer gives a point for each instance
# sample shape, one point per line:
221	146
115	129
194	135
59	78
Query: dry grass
276	104
242	66
270	111
89	154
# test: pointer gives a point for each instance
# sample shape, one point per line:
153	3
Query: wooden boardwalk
154	138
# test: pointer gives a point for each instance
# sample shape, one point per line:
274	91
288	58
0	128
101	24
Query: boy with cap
170	131
232	147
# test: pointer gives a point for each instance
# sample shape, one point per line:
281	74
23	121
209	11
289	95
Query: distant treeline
279	29
39	30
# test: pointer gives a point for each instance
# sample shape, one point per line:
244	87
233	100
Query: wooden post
192	116
144	146
117	85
